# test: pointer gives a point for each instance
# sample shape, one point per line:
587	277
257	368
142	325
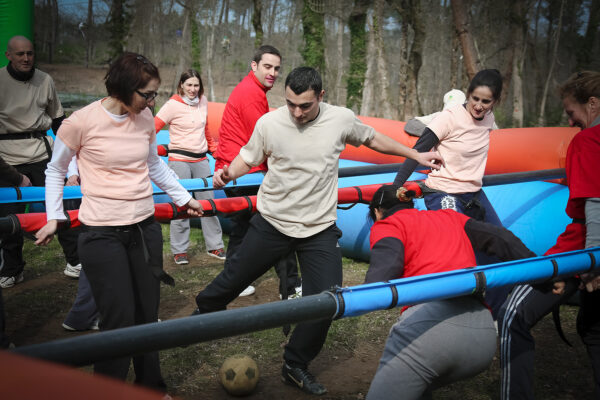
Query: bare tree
89	29
412	19
541	117
461	22
381	63
367	106
584	55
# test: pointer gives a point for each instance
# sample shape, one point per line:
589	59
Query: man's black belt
23	135
29	135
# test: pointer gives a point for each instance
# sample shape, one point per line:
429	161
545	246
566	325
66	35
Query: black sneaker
302	379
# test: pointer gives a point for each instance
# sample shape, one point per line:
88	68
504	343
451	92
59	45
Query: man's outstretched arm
237	168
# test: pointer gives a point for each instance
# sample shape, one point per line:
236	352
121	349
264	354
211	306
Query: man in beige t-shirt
29	107
297	206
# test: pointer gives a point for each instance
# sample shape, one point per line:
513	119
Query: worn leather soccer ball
239	375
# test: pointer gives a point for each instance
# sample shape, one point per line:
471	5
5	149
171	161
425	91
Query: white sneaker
296	295
93	327
72	271
248	291
10	281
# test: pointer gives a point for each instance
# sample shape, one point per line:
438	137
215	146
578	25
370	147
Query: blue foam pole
361	299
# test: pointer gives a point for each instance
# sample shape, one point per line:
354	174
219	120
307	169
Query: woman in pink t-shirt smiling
120	245
461	134
190	141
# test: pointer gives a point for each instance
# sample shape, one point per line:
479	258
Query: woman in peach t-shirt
461	134
190	141
120	245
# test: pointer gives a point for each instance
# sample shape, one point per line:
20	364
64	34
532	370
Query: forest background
384	58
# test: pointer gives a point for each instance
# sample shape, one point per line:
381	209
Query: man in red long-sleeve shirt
246	104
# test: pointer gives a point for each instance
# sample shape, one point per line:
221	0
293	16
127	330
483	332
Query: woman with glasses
190	142
120	245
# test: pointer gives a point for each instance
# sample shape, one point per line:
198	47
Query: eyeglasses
148	96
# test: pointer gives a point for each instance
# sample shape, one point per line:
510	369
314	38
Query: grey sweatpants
434	344
211	227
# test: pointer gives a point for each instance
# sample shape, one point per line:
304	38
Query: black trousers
11	246
526	306
320	259
126	290
286	267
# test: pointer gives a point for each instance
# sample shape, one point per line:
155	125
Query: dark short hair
581	86
386	197
128	73
302	79
265	49
490	78
190	73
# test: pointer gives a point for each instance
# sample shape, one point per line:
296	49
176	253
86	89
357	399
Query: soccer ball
239	375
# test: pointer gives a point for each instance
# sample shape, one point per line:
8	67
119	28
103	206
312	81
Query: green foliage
313	25
358	61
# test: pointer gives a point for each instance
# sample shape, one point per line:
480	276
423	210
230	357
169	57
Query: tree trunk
358	55
454	61
340	56
54	30
88	36
195	41
183	52
411	12
118	26
271	24
366	107
403	70
584	55
257	23
313	52
210	45
542	115
461	23
382	69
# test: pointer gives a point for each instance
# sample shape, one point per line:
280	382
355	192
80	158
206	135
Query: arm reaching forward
237	168
385	144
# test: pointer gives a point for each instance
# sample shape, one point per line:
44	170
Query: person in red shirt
528	304
246	104
431	344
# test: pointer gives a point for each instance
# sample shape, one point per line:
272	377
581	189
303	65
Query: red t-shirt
246	104
583	178
583	170
449	249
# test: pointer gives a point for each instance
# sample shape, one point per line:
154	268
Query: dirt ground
36	308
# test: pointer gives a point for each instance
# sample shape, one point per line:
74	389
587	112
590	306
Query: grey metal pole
140	339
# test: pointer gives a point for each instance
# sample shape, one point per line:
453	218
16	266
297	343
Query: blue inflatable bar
362	299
